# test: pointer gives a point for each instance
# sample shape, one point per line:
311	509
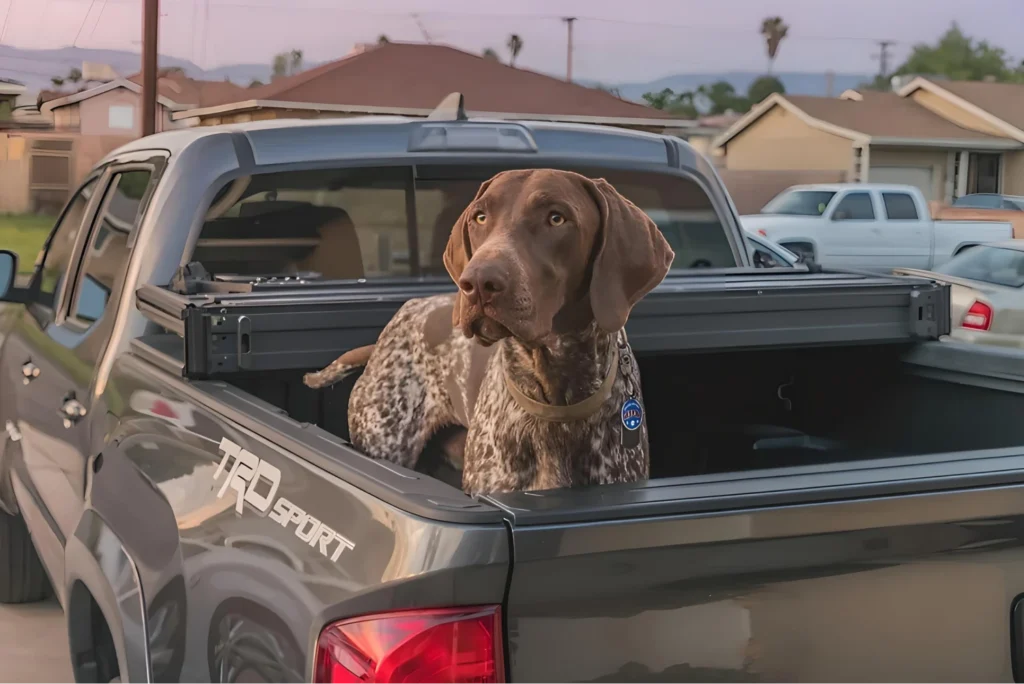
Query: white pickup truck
867	226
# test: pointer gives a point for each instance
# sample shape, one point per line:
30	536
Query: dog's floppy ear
631	256
458	252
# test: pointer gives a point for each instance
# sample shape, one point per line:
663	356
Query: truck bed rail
305	326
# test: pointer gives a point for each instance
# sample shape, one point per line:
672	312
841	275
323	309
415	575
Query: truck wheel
22	577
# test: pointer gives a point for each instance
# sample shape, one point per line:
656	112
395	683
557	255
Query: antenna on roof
452	108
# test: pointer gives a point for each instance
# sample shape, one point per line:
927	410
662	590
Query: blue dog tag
632	417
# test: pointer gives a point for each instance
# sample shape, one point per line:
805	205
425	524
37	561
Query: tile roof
1003	100
884	115
419	76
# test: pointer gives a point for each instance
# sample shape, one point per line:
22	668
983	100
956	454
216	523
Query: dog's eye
480	217
556	219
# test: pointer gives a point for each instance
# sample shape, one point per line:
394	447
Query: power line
718	30
99	18
7	15
78	35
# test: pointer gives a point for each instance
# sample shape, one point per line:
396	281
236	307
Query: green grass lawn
24	234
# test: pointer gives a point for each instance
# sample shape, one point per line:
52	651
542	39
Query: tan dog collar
578	411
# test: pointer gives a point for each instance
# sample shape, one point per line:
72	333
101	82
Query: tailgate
795	574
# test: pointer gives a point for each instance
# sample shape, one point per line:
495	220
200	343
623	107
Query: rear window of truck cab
351	224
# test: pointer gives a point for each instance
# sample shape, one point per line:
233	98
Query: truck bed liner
271	326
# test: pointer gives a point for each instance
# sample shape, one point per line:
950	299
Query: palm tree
774	30
515	46
296	61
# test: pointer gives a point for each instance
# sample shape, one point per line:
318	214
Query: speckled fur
549	264
404	396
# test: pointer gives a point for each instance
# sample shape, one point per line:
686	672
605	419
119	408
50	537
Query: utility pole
568	54
150	23
883	57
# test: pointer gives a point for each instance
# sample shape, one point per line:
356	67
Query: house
9	92
948	138
411	79
38	168
115	109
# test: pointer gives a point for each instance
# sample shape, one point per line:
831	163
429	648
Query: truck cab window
61	246
107	254
856	206
899	206
351	224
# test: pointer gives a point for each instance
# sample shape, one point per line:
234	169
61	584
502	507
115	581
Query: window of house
899	206
107	254
983	172
346	224
121	117
856	206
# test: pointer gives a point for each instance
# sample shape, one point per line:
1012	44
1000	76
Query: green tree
667	100
515	46
57	81
75	75
255	83
286	64
762	87
958	57
722	97
774	30
491	54
382	39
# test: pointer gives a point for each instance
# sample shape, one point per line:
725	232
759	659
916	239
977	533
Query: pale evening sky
616	40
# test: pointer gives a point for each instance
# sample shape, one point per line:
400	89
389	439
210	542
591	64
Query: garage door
918	176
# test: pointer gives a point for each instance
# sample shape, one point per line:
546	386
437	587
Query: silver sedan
986	293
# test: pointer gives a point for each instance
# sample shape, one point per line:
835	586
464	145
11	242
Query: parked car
984	207
813	513
987	293
988	200
867	226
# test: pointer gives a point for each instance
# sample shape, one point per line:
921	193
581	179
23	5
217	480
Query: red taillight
978	317
442	645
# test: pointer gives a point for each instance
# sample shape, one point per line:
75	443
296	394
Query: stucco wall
936	159
779	140
92	116
1013	173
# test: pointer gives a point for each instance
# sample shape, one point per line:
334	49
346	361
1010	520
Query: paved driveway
33	643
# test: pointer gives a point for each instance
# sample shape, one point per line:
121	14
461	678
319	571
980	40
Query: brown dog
530	356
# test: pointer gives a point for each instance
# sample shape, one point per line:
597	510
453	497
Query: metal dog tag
632	414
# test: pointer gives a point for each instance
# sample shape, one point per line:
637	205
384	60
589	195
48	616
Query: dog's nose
482	283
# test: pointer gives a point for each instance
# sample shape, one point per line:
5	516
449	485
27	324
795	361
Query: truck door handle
29	372
71	411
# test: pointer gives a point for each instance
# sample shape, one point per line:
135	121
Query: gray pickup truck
835	493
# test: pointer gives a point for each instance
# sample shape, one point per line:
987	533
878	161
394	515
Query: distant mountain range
34	68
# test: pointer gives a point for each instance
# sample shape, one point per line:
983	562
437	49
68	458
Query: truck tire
22	577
